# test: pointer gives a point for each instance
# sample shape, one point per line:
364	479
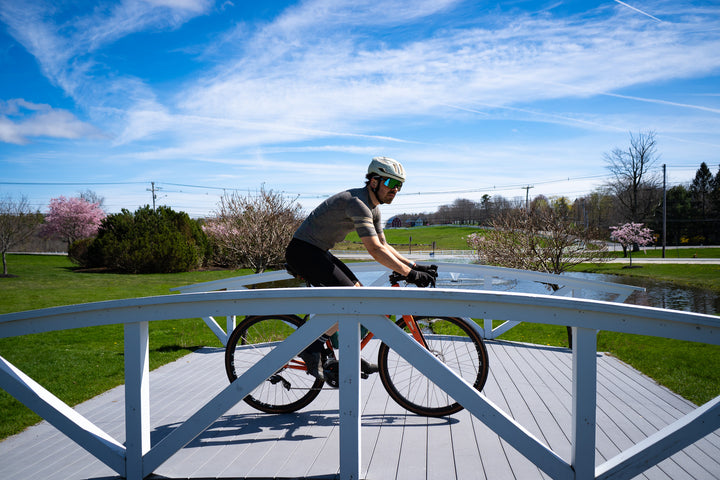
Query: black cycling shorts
317	266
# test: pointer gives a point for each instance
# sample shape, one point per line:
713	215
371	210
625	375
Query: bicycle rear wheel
290	388
452	341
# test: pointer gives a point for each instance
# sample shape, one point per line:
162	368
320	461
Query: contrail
639	11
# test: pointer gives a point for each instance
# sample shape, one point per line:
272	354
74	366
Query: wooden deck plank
531	383
441	455
413	450
504	392
388	418
493	451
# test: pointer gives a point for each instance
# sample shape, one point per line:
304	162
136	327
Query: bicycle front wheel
453	342
290	388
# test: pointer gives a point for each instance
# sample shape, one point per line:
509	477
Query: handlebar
396	278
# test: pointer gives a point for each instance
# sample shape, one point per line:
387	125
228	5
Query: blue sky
472	97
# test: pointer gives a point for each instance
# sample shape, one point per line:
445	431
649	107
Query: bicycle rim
289	389
452	341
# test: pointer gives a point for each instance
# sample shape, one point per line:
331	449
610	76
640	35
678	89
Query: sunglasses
392	183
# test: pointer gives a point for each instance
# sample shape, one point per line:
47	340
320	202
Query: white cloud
21	120
196	6
333	76
314	72
344	81
65	50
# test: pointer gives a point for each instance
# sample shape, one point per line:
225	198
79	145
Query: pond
657	293
663	294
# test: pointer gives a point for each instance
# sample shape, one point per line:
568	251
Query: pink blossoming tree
631	234
72	219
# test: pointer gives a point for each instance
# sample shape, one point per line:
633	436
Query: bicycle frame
410	322
292	391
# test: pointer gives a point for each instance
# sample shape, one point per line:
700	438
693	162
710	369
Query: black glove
431	269
421	279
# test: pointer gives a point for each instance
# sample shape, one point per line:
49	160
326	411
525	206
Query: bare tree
17	223
253	230
91	197
635	184
539	240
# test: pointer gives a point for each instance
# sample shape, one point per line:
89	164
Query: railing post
230	324
584	402
137	398
488	327
349	339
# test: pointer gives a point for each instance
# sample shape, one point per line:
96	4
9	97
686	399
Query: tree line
252	230
247	231
635	194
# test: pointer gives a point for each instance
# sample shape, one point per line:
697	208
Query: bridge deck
532	383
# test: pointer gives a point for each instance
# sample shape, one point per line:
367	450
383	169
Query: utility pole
664	210
153	190
527	196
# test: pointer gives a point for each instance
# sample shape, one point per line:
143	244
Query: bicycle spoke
454	343
254	338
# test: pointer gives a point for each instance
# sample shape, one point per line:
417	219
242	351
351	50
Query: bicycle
450	339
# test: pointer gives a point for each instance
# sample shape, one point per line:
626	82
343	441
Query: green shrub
148	241
78	251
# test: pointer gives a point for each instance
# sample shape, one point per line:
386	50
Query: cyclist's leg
319	267
343	271
322	269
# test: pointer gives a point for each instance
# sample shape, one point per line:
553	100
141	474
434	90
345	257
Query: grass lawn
78	364
702	276
673	252
446	237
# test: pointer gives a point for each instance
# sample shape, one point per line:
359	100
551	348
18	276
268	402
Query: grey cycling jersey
339	215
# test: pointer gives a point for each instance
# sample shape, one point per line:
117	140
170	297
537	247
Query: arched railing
137	458
457	275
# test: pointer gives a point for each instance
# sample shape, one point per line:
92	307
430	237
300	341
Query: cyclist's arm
397	254
385	254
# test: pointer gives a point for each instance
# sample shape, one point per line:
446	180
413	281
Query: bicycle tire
456	344
289	389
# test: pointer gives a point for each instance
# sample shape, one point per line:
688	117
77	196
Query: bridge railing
452	275
137	458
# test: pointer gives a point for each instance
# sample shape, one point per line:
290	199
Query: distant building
393	222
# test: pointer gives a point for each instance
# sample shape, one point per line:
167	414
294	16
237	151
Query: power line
87	184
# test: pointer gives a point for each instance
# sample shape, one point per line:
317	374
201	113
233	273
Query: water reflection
657	293
662	294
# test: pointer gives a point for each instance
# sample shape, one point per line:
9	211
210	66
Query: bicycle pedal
275	379
332	373
367	368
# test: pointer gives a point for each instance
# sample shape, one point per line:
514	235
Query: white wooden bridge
545	413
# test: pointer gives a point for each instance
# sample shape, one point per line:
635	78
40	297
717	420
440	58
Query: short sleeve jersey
339	215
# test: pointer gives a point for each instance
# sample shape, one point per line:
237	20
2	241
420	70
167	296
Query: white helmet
387	167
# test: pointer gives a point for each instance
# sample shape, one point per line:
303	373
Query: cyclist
308	253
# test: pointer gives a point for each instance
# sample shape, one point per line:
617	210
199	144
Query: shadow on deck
531	383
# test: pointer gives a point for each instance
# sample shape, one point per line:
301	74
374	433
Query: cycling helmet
387	167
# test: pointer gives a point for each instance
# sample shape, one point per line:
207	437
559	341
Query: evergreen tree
700	193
